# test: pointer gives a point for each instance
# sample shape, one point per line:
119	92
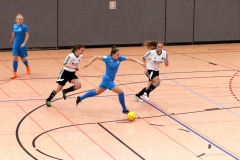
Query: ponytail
152	44
114	50
76	47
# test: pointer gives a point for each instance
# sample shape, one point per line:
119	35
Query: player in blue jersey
19	40
112	63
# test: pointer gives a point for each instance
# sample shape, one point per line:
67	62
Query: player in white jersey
155	57
68	74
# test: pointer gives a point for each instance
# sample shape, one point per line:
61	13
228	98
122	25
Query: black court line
184	130
20	122
201	155
156	124
121	141
17	132
211	109
203	60
48	155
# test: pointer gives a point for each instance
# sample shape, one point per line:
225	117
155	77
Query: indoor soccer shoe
78	100
48	103
126	111
138	98
64	94
14	75
28	69
146	96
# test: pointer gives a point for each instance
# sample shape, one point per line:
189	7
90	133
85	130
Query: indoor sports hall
193	115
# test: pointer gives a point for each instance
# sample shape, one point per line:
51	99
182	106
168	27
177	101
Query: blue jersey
112	66
19	34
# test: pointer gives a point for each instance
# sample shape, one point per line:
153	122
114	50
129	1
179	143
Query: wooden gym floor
194	114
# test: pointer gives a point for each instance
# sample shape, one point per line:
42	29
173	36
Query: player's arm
135	60
25	40
166	62
12	38
92	60
71	66
68	63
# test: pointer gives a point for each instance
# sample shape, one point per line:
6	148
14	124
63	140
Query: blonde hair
19	16
152	44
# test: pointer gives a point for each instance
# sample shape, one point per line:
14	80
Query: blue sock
88	94
121	99
15	66
26	62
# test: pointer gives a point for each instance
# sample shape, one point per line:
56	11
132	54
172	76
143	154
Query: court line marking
209	100
189	127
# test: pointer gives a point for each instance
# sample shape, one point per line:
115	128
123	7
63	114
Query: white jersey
72	60
155	59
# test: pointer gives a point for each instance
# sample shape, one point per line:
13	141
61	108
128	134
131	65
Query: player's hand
76	68
143	64
145	71
23	45
85	66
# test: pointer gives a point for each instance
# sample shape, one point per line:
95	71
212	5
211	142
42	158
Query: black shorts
65	76
151	74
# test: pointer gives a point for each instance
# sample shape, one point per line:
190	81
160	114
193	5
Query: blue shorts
107	84
18	51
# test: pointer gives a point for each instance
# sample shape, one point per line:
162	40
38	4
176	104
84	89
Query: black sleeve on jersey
67	60
146	55
166	57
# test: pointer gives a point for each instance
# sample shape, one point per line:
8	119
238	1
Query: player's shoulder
163	51
24	25
106	58
122	58
71	55
154	51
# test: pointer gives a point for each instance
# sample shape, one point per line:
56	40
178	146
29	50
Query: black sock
150	89
141	92
70	89
51	95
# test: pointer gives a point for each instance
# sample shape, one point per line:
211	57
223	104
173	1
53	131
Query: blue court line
187	126
192	130
202	96
68	97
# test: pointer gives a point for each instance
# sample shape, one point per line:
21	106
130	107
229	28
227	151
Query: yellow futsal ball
131	116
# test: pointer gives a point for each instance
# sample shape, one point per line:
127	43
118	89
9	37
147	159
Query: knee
23	59
78	86
156	84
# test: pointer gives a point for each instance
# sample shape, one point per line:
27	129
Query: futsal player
112	63
155	57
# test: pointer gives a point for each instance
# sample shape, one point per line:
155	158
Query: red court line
208	53
22	80
163	132
44	131
82	132
5	81
230	86
55	58
31	87
190	127
5	92
6	66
